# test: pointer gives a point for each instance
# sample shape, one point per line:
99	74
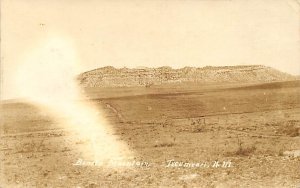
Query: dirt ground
187	136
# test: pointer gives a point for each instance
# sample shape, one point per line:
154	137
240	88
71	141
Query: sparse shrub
290	128
198	125
241	150
198	130
164	144
244	151
280	152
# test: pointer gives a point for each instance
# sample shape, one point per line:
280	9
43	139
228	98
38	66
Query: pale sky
152	33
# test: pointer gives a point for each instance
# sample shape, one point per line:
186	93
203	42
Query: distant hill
143	76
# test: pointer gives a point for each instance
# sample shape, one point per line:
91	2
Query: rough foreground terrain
251	131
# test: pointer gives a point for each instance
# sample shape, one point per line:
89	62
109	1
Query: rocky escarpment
143	76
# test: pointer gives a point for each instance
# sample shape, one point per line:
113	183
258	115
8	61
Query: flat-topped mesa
143	76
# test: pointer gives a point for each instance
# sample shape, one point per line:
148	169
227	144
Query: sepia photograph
150	93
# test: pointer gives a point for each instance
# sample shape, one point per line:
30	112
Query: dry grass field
252	132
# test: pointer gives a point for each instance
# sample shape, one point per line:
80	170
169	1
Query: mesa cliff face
113	77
